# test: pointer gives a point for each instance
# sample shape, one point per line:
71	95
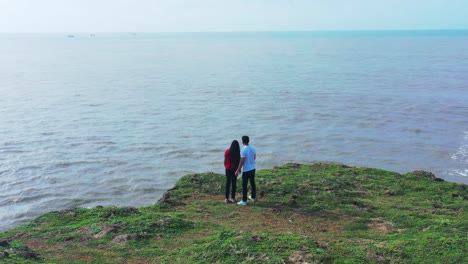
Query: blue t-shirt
248	152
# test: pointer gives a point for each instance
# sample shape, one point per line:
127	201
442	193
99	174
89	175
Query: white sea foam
463	173
462	154
461	157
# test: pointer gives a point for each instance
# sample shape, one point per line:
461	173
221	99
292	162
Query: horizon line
230	31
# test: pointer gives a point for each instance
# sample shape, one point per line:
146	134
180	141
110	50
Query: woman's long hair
234	153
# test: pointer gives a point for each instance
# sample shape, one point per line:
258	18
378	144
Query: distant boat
71	36
92	35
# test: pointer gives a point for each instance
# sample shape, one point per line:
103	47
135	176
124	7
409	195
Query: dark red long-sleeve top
228	163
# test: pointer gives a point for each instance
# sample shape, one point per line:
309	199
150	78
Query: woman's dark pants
231	179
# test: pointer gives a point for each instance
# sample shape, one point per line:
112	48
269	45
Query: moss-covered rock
317	213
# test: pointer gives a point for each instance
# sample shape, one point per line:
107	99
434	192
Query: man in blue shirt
248	156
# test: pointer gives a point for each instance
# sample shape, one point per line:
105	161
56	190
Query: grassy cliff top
318	213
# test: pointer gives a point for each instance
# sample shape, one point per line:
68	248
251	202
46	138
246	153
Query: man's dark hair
245	140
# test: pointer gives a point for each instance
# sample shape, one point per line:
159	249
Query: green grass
318	213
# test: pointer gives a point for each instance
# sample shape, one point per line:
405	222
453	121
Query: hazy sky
229	15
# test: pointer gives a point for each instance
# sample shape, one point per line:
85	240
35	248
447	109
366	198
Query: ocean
117	119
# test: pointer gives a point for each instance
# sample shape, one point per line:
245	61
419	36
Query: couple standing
234	160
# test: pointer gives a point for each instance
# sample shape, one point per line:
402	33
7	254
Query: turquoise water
116	119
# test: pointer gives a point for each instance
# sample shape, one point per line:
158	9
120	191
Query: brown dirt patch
320	226
381	226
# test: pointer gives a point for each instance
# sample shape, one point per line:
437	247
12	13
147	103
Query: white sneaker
242	203
253	199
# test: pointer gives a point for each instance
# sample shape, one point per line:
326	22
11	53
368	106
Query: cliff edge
315	213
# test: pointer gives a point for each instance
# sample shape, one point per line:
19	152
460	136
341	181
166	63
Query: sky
229	15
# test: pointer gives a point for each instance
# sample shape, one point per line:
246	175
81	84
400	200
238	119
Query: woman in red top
231	162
